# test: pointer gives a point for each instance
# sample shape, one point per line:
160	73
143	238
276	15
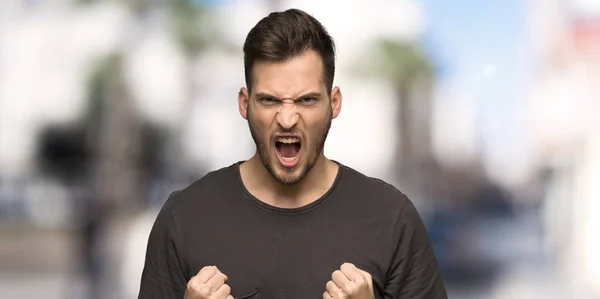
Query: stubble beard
263	152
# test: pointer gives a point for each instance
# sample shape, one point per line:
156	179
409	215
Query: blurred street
46	263
36	263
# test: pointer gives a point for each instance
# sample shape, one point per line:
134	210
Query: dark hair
283	35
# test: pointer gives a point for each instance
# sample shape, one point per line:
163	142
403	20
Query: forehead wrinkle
292	78
294	96
288	88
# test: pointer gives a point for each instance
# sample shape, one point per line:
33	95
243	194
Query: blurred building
565	104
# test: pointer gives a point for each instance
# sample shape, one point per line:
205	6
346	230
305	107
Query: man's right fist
209	283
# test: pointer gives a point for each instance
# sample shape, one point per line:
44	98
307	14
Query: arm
163	276
414	271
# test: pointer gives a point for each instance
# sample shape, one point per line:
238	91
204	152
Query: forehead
290	78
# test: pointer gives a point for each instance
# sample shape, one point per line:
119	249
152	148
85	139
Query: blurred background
483	112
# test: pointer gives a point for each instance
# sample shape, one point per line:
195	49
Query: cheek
315	128
260	126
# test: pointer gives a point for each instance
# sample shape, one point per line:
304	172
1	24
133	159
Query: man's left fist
349	283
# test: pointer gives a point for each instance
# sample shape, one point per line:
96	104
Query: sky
480	48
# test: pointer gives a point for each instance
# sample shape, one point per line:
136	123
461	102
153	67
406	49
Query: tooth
288	140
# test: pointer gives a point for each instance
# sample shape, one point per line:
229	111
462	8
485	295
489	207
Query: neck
266	188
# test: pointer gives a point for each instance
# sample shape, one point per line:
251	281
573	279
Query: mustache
295	132
280	131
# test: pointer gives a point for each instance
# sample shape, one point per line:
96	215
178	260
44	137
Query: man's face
289	114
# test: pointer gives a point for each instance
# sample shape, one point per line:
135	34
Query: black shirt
274	253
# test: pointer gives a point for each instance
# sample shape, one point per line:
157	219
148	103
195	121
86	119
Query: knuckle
196	288
190	285
226	289
218	279
367	275
362	282
336	273
210	269
204	291
330	285
349	288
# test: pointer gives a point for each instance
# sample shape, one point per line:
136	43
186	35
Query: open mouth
288	150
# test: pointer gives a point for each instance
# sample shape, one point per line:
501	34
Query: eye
308	101
268	101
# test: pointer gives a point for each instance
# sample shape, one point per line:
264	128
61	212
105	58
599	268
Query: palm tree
408	70
410	73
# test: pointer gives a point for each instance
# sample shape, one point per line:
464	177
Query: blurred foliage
190	22
401	62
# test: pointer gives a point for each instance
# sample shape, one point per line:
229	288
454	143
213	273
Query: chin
288	176
289	181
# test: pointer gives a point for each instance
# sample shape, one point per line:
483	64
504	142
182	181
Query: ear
336	102
243	101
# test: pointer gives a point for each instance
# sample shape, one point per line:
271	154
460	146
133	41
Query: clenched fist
349	282
209	283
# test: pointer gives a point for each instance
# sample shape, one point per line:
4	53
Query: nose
287	116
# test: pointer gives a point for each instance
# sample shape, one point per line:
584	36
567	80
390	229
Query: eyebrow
262	95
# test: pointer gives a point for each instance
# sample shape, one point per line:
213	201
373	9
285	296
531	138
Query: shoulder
214	185
382	200
374	191
371	186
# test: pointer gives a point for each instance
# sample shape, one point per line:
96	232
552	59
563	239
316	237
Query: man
289	222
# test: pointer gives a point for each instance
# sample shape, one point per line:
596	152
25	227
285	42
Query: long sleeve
414	272
163	276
